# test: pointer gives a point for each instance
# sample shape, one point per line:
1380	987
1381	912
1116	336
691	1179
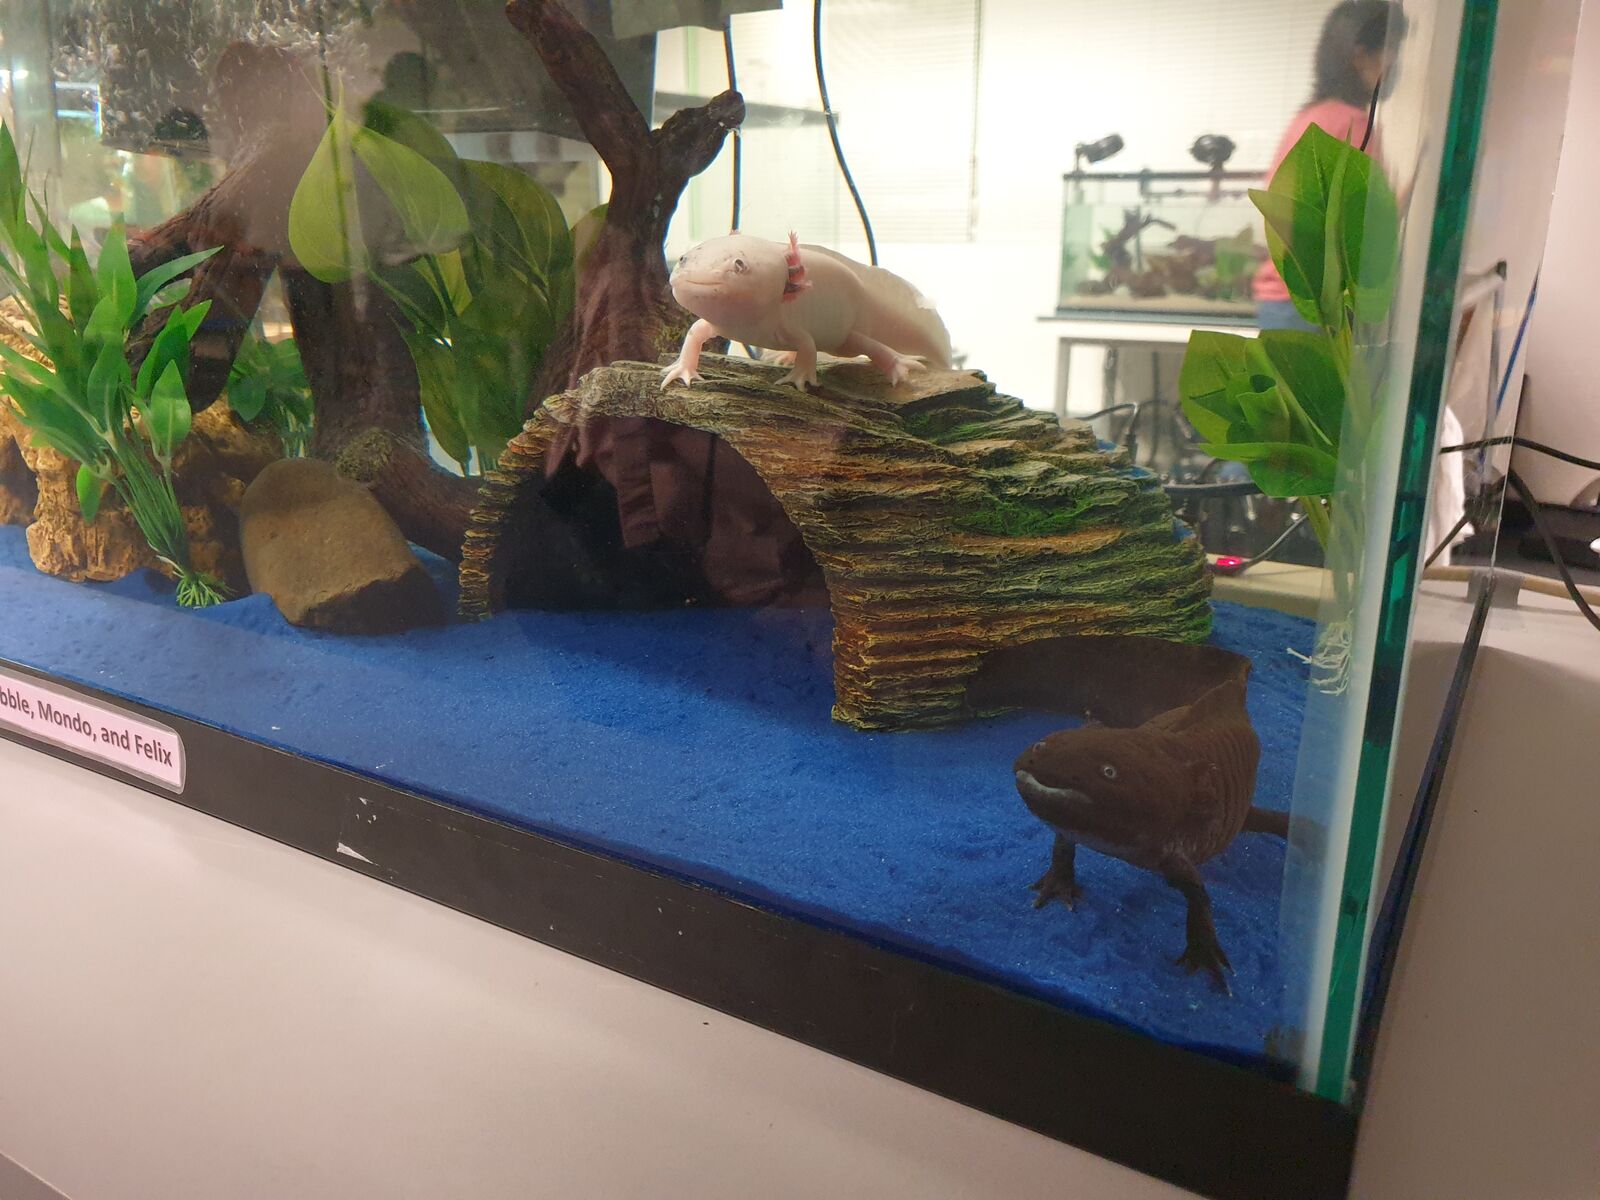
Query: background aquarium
1161	242
335	443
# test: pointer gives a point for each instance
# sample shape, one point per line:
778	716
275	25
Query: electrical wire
1526	444
738	139
833	132
1536	511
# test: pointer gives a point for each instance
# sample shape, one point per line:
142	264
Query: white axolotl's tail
906	319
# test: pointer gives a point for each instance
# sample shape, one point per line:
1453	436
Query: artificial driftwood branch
623	308
610	120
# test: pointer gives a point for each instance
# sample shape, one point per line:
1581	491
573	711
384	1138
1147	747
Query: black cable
1266	555
1445	543
833	132
1372	114
1526	444
1536	511
738	140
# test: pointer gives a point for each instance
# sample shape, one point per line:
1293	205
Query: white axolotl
802	299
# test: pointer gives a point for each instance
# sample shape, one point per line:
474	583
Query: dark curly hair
1352	26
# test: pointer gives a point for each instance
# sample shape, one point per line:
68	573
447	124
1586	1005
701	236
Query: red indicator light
1228	563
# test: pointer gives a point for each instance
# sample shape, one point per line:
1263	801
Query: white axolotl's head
729	278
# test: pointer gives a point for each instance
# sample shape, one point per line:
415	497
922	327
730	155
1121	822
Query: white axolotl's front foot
679	372
902	368
685	369
802	377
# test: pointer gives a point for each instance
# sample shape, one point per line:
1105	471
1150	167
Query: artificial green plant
267	383
476	255
86	402
1280	403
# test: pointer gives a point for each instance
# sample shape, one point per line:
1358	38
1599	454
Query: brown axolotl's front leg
1202	950
1060	882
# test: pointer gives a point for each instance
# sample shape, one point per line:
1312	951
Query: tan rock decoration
947	519
328	554
212	468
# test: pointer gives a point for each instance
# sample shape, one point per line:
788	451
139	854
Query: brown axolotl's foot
1202	950
1060	881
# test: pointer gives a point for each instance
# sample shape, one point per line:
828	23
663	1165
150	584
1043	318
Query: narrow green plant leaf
82	290
114	273
12	194
91	489
166	413
170	348
109	380
153	280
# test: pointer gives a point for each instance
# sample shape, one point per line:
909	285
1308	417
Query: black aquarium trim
1178	1115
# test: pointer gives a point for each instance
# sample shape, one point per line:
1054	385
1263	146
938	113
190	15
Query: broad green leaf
1308	375
1263	416
153	280
409	130
1289	226
247	395
1282	468
324	225
91	489
166	413
1371	229
436	381
1211	361
82	290
109	380
433	219
525	223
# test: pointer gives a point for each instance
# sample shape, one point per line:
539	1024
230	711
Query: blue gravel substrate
700	741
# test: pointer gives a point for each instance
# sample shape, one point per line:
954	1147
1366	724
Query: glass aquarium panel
494	402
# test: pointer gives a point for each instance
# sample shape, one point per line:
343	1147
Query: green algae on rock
948	519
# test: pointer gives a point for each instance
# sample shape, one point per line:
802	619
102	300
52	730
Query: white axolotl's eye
1108	771
682	258
740	265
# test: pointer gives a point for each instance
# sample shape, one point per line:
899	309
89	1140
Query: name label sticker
92	729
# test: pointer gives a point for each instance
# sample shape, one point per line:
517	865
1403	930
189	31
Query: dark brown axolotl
1164	777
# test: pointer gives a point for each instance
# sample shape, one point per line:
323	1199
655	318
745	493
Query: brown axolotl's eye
1108	771
740	265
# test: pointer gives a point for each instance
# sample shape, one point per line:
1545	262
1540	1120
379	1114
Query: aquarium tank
1160	244
592	463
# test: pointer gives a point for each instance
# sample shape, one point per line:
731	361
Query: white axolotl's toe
679	372
801	379
904	366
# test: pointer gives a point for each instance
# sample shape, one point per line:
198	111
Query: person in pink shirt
1355	58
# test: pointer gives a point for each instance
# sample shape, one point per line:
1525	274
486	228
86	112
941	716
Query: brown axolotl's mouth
1052	805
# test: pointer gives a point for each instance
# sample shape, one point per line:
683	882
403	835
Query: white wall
1051	75
1563	400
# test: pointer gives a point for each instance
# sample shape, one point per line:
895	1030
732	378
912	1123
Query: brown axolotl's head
1116	790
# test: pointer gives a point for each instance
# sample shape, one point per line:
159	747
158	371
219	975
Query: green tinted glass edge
1469	89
